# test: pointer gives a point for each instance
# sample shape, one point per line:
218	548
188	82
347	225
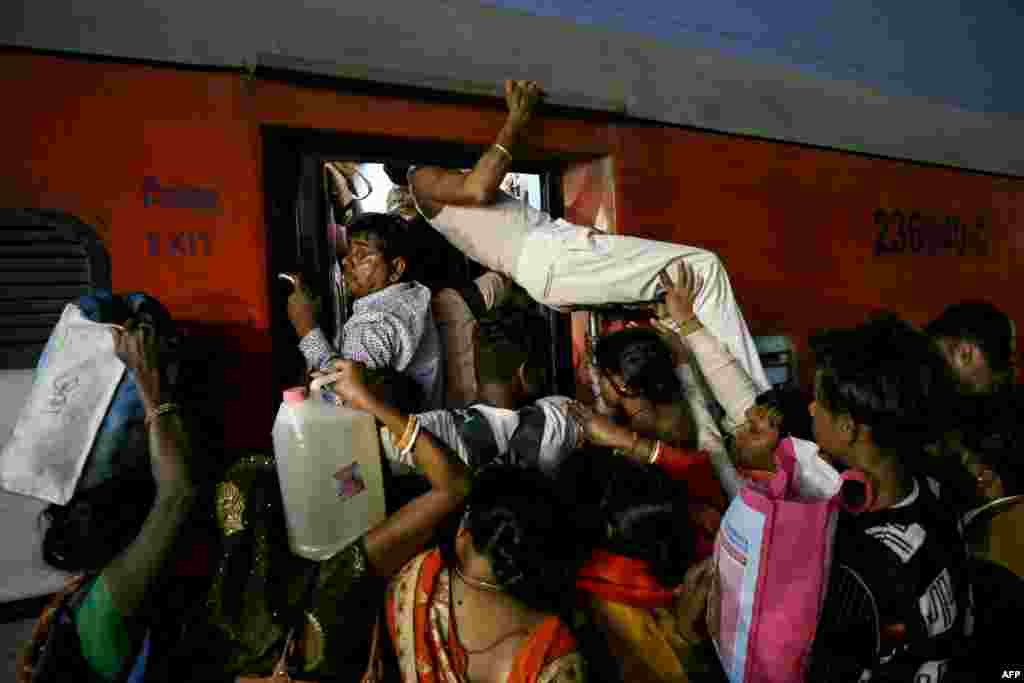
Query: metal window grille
47	258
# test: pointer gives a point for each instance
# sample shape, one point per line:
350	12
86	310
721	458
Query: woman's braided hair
521	524
526	528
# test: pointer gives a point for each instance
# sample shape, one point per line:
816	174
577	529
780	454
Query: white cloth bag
74	384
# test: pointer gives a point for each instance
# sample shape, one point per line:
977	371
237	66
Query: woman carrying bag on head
99	630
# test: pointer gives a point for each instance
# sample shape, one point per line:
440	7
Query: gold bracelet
405	434
504	150
655	452
396	438
688	326
406	449
162	409
410	429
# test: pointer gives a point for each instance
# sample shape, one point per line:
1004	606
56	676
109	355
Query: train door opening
307	235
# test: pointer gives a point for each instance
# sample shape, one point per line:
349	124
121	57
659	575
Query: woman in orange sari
488	605
647	612
659	522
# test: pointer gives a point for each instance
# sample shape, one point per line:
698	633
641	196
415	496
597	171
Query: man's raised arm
434	186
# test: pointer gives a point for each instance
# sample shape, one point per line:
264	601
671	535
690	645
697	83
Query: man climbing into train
558	263
391	325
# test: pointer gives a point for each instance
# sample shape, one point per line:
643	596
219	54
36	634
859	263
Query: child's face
757	438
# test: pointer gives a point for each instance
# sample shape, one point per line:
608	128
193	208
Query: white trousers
573	265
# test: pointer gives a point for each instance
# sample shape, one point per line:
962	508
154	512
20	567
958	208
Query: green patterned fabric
101	630
258	591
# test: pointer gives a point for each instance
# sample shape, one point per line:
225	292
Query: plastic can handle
295	395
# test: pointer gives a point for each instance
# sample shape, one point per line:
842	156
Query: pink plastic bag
771	566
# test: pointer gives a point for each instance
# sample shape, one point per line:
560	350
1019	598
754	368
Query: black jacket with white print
909	564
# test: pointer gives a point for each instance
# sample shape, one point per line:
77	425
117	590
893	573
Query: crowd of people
533	537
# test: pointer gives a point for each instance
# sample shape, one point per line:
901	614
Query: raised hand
522	97
339	183
681	296
138	348
301	308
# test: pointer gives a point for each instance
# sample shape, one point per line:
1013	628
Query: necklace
455	628
479	584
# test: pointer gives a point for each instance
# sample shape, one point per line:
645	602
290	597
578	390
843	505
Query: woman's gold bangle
410	425
504	150
162	409
655	452
410	441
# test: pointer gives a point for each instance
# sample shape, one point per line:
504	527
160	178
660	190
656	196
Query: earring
849	432
860	496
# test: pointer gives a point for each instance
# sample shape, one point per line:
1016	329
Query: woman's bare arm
397	539
131	575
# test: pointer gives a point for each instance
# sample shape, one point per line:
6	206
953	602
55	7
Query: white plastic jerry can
328	463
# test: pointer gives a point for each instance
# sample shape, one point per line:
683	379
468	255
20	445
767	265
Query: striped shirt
393	327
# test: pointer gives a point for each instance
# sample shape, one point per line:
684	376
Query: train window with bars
47	259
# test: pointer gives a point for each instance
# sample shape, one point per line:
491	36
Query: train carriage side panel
815	238
166	164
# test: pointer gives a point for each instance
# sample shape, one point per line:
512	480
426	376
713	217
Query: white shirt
491	235
545	443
